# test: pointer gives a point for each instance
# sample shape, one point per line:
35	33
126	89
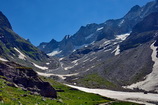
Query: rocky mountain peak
133	13
149	23
135	8
4	21
67	37
53	41
142	32
42	45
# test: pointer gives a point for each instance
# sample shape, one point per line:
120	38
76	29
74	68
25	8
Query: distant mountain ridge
95	32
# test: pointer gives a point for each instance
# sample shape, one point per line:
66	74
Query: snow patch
117	50
55	52
67	68
86	60
61	59
67	36
122	21
74	50
87	69
2	59
100	28
75	61
105	43
107	50
89	36
122	36
92	59
21	55
47	63
151	80
92	43
40	67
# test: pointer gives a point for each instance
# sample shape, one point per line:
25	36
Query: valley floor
138	97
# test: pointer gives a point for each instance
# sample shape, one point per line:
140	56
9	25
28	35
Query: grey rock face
142	32
26	78
4	21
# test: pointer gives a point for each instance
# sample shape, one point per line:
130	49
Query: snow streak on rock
2	59
55	52
21	55
40	67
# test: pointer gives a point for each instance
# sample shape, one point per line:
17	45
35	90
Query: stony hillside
129	66
112	63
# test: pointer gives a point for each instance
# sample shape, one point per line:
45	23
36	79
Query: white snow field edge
122	36
54	52
100	28
21	55
2	59
137	97
151	80
117	50
40	67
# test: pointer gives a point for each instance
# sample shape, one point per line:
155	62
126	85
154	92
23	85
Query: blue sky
42	20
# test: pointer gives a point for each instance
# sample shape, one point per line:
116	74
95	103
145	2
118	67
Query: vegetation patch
95	81
68	96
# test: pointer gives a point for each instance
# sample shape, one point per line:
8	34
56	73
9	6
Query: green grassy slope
67	96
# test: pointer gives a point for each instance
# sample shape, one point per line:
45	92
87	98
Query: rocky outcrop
26	78
4	21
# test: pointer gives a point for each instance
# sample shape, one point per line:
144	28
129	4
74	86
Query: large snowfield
138	97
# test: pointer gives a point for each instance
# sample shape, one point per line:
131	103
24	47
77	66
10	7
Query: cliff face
26	78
